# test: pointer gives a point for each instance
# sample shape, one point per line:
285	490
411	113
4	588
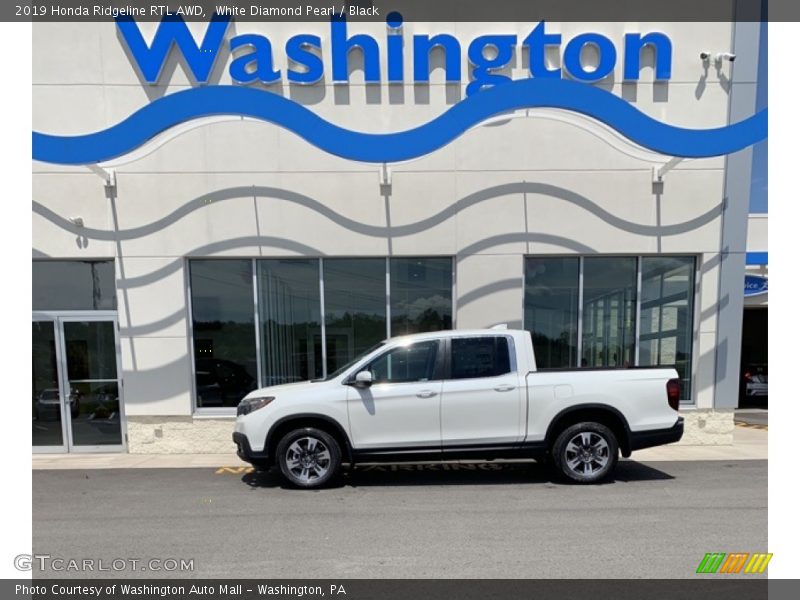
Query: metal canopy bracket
108	175
659	172
385	174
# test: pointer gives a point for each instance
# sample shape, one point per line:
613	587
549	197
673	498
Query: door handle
504	388
426	394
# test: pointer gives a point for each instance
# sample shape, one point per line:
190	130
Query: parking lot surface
453	521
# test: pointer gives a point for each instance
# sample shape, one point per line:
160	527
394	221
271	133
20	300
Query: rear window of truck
483	356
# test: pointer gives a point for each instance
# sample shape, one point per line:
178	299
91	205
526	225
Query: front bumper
246	453
657	437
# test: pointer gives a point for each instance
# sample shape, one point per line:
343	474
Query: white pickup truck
458	395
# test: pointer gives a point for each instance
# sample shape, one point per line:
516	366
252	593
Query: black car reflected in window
221	382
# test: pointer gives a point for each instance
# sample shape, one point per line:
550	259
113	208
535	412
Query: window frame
78	311
693	297
575	335
213	412
606	310
259	295
391	263
385	307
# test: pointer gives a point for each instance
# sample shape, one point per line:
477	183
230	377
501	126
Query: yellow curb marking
751	425
233	470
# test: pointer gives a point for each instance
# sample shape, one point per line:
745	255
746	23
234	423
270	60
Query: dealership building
208	217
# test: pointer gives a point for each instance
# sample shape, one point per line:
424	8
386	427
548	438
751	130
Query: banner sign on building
755	285
490	91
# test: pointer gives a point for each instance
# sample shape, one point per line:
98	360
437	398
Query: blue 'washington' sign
489	93
486	53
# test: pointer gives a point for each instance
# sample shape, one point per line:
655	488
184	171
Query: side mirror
363	379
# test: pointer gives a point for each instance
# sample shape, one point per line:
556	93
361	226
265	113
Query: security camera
705	56
724	56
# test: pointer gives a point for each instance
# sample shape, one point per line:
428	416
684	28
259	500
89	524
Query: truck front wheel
585	452
308	457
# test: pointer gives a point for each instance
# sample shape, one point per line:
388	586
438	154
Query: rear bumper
246	453
657	437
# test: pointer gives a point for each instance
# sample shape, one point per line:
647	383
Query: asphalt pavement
432	521
752	416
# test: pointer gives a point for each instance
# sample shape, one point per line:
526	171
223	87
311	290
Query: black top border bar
411	10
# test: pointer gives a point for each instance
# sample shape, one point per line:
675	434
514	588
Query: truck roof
448	333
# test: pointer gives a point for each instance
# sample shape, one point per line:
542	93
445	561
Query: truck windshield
344	368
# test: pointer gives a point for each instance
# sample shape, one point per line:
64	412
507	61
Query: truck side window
404	364
479	357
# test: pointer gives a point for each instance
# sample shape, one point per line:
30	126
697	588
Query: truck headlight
248	405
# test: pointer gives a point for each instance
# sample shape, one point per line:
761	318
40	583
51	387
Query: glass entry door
76	400
48	425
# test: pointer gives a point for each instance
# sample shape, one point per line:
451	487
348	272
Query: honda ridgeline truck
458	395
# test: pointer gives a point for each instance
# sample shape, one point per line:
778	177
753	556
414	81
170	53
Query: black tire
585	463
308	457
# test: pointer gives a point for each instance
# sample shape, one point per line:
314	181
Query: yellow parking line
751	425
233	470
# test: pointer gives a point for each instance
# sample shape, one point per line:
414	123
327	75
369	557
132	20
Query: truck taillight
674	393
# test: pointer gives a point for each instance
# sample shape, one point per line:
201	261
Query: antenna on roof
500	326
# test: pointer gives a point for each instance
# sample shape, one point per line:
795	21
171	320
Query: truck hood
286	389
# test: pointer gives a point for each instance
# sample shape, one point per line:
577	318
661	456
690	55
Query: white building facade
226	252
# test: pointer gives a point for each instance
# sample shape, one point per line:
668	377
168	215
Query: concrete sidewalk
748	444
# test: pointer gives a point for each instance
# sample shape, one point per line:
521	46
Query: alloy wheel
586	453
308	459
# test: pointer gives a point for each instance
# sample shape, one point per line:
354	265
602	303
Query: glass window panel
551	310
93	388
224	330
91	350
355	307
94	413
74	285
290	320
479	357
46	394
609	297
415	362
667	315
421	293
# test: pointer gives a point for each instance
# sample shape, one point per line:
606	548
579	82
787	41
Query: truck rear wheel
585	452
308	457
